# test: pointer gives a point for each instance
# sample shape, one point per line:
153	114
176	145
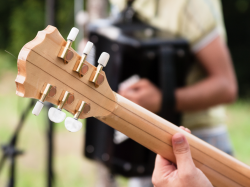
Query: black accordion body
135	48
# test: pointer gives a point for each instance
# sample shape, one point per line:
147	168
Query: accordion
135	49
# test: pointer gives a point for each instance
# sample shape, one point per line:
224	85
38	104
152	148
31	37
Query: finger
182	153
181	127
160	161
126	92
140	84
121	92
131	95
163	165
185	129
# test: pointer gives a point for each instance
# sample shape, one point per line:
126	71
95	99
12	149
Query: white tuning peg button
87	48
37	109
56	115
103	59
73	33
72	124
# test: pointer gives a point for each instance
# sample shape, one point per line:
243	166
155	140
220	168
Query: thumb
182	153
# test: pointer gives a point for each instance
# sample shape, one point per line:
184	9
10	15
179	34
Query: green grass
239	129
71	168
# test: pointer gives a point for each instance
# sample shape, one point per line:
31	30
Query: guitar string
141	129
130	111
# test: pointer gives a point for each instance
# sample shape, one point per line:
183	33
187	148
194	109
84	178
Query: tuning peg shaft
97	78
65	53
55	114
39	104
80	67
84	107
72	124
64	99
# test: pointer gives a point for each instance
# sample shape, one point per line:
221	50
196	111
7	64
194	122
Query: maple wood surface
38	65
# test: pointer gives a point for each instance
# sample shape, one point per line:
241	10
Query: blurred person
210	83
184	173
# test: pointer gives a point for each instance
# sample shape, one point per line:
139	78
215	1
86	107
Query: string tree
47	91
80	67
72	124
65	53
55	114
97	77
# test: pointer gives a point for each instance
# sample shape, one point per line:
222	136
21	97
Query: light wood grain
38	64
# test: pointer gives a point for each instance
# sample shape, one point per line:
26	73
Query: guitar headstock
50	70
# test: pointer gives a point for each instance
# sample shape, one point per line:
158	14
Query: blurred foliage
237	16
25	21
21	19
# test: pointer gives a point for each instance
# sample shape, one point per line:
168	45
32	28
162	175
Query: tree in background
22	19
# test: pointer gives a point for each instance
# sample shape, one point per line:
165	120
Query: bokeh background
20	22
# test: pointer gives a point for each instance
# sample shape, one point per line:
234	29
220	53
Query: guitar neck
155	133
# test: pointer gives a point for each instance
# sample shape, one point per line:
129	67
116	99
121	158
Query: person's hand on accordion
145	94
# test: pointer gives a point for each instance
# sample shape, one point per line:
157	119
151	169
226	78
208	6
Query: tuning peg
87	48
97	78
38	107
103	60
72	124
72	35
49	90
80	67
55	114
65	53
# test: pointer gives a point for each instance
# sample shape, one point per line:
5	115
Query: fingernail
178	139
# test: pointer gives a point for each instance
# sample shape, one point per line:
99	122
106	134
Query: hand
166	173
145	94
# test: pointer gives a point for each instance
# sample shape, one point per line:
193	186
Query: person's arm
220	85
185	174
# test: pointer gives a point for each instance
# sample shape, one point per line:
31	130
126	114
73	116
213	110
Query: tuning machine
50	91
65	53
72	124
80	67
97	77
55	114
